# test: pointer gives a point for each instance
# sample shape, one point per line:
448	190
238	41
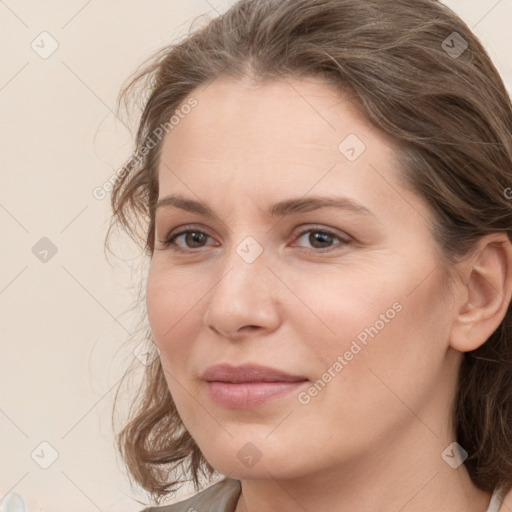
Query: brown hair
407	67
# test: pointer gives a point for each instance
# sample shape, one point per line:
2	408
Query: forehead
245	147
277	129
283	114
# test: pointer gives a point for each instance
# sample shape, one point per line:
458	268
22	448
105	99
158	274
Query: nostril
249	328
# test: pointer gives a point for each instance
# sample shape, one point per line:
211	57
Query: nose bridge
243	295
244	271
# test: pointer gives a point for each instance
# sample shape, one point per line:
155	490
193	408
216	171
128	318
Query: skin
372	438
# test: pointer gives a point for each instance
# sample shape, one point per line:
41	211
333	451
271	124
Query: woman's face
348	298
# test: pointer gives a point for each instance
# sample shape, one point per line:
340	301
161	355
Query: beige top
223	497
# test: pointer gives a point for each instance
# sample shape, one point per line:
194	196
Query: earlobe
487	278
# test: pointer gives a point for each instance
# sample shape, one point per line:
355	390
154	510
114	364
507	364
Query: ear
486	290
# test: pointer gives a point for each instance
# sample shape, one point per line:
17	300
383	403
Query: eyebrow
282	208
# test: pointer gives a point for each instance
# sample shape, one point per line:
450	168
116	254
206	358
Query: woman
330	262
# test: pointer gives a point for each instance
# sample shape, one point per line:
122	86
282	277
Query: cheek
376	320
168	299
159	302
339	306
170	307
404	357
166	305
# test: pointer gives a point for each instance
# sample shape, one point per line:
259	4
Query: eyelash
169	240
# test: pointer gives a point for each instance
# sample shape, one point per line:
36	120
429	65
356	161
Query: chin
249	463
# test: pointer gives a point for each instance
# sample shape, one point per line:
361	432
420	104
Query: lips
248	373
249	385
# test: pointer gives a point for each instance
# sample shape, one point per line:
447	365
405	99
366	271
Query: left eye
320	238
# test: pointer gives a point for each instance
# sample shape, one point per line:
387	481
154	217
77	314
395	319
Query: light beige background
65	321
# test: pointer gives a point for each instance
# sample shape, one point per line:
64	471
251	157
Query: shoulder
506	504
220	497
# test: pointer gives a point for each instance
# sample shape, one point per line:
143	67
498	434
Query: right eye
192	239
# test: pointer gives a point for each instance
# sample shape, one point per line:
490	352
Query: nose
244	300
